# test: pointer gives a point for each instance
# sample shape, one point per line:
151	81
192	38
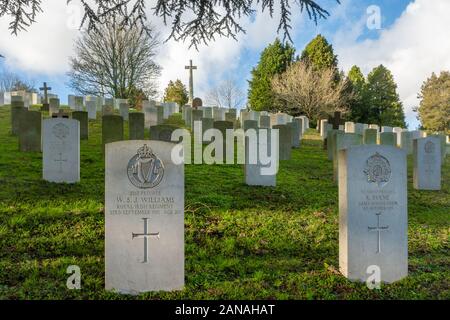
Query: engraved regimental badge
378	169
61	131
145	169
429	147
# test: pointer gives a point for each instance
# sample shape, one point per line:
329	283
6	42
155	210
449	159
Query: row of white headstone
144	242
28	98
404	137
95	104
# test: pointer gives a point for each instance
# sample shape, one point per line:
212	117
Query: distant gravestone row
427	173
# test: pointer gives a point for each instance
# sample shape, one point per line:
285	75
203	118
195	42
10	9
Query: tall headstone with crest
144	217
373	217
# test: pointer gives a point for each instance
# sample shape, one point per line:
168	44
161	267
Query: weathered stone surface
370	136
244	116
207	123
208	112
427	163
53	106
360	127
136	126
162	132
388	139
323	130
343	141
61	150
231	117
160	115
91	108
223	126
187	115
255	174
124	110
297	132
250	124
82	116
350	127
264	122
196	115
144	218
331	142
406	142
149	109
17	112
285	141
112	129
107	110
30	132
373	218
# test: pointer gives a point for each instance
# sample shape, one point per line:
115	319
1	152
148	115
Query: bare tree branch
311	92
115	60
198	21
227	95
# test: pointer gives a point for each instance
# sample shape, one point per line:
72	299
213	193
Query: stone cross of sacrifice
191	69
46	90
336	120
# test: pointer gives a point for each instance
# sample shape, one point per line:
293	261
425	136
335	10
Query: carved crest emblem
61	131
429	147
378	169
145	169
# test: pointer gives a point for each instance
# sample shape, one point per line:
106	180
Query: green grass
241	242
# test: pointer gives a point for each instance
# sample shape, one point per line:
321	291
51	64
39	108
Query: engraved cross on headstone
145	236
379	229
45	89
60	160
336	121
191	69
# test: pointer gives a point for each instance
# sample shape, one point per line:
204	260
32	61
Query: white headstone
91	107
350	127
373	227
53	106
144	217
124	110
254	169
323	131
150	113
71	101
427	163
61	150
118	102
360	127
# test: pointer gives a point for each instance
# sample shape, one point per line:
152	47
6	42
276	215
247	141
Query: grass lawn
241	242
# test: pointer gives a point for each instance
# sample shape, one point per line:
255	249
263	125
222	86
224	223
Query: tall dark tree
359	106
386	109
320	54
434	109
274	60
198	20
176	92
117	61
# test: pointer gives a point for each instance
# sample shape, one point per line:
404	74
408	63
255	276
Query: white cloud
48	43
416	45
45	47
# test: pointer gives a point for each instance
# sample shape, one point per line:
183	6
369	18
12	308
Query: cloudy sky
412	40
